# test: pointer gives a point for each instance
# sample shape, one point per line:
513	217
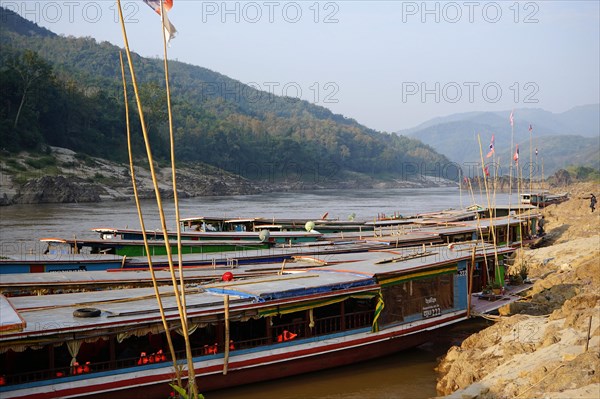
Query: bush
41	163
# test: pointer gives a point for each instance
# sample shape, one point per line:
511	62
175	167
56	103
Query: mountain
562	139
67	92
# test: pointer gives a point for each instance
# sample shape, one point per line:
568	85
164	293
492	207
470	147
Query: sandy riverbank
537	349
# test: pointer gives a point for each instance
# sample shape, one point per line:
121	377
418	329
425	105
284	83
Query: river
409	374
21	226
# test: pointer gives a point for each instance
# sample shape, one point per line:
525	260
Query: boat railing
294	330
83	368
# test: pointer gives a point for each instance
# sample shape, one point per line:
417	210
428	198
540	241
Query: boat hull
245	367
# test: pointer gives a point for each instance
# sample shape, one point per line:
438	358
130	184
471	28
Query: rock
56	189
565	267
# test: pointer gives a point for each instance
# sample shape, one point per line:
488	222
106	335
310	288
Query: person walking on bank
593	202
541	224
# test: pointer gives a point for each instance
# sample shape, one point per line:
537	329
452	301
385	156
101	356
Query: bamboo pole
156	190
460	186
494	243
226	354
173	169
530	160
182	311
470	271
141	219
282	267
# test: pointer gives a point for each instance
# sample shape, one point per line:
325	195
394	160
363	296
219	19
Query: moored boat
278	325
156	247
279	237
542	199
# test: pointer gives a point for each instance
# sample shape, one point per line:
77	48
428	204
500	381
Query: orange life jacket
286	336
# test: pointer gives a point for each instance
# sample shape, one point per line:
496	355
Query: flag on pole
530	128
512	120
486	171
516	157
491	148
170	30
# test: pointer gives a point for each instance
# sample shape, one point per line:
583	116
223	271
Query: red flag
512	120
170	30
516	157
491	148
486	171
530	128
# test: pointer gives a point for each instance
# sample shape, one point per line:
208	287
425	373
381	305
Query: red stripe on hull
275	366
262	368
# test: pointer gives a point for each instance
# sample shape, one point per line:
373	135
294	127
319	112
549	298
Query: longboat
263	236
543	199
323	225
77	256
132	247
108	344
64	262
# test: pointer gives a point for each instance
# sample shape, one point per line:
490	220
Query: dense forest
66	92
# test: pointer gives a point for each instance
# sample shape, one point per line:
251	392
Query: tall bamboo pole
173	169
530	159
512	135
489	205
183	313
142	225
226	350
480	232
470	271
157	193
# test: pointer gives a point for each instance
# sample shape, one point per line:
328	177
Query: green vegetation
66	92
572	174
584	173
15	165
42	162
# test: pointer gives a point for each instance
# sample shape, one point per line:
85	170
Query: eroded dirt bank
537	349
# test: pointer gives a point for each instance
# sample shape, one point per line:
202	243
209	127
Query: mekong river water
409	374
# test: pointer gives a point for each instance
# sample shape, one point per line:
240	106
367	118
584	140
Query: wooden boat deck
484	304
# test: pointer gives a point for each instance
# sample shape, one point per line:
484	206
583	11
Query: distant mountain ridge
562	139
583	120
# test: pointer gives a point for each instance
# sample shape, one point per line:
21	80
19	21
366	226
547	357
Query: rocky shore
62	176
547	345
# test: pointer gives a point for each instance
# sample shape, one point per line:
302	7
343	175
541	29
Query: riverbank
63	176
537	348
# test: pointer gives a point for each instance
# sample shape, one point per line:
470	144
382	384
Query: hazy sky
388	64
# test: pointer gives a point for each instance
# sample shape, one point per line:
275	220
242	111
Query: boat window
417	299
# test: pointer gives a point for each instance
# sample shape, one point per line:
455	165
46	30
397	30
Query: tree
32	69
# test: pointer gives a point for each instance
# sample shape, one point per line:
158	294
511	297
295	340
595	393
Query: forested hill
71	96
